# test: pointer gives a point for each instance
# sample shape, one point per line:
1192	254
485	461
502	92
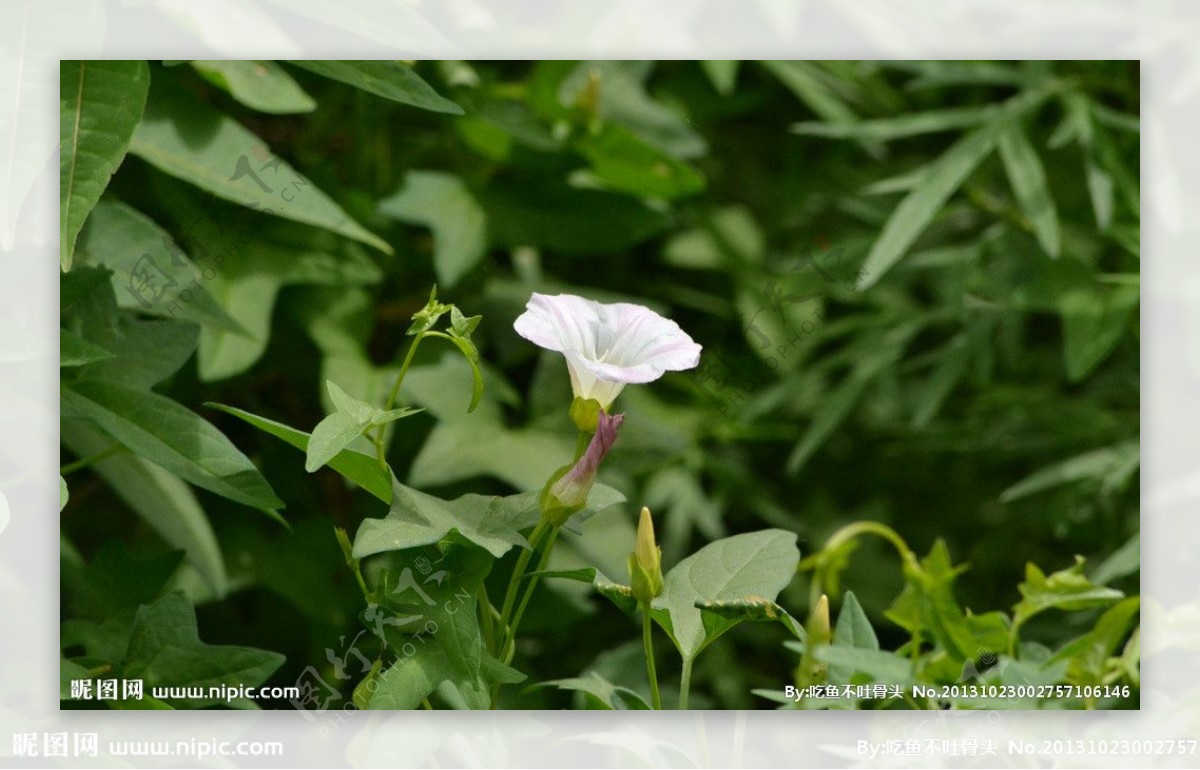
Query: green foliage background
916	285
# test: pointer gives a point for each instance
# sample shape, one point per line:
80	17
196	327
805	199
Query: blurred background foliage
916	285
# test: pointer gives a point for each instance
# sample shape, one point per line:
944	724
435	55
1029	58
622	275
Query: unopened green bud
645	563
818	623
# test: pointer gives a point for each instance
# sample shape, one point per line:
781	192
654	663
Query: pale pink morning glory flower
607	346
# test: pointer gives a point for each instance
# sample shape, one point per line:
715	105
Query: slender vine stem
514	581
647	643
380	451
510	645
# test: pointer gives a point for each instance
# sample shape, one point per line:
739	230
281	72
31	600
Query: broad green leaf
881	666
116	581
1028	179
467	446
721	614
169	435
158	497
417	519
337	431
100	104
331	436
444	204
63	496
260	85
165	651
621	161
403	685
1067	589
188	139
758	564
600	691
359	468
390	79
1094	466
74	350
150	273
853	627
942	178
435	628
145	352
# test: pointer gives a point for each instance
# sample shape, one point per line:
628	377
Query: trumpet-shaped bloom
607	346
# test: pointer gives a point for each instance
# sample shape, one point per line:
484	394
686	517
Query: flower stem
655	697
380	451
685	684
514	582
510	646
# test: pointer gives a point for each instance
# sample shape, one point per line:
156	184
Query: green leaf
151	274
73	350
63	497
164	502
804	80
881	666
1126	560
116	581
408	681
169	435
260	85
720	614
927	605
444	204
100	104
417	519
146	352
758	564
600	691
1067	589
355	466
942	178
722	74
390	79
1094	466
900	126
1088	655
336	432
188	139
438	633
165	651
621	161
1028	179
853	627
